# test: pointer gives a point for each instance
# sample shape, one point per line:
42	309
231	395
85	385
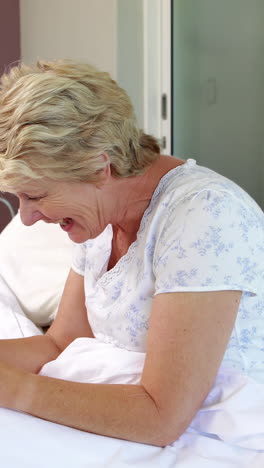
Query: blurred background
194	69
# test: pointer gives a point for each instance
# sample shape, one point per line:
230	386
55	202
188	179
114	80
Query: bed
227	432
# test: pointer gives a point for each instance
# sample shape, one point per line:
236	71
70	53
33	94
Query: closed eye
25	196
33	198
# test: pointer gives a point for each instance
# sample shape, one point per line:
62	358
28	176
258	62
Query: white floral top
200	232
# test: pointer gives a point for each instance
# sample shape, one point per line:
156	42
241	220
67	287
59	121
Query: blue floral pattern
200	232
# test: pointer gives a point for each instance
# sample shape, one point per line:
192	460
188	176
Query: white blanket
227	432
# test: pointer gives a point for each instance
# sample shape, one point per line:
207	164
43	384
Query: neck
132	196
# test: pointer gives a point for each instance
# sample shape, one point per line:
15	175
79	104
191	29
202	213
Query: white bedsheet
227	432
28	442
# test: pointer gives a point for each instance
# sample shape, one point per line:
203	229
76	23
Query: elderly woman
168	263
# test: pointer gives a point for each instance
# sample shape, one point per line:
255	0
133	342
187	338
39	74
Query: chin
82	235
78	239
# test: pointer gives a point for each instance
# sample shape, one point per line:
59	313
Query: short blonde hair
58	117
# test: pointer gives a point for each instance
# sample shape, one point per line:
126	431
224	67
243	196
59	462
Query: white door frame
157	70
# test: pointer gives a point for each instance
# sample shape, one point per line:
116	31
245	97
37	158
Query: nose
28	213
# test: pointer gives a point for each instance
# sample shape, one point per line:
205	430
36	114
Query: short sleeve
79	258
211	241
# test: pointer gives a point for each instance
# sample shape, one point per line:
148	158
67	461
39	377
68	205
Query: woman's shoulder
189	182
196	202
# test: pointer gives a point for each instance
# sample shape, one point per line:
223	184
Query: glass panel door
218	88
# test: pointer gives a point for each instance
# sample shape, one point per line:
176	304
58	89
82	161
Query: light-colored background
79	29
105	33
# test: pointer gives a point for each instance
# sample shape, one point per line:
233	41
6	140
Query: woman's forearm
122	411
29	354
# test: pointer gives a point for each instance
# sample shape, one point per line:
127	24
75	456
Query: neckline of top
107	276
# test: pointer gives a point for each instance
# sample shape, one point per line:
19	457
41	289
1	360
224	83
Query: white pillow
34	262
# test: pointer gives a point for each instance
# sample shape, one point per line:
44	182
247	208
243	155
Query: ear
107	168
104	173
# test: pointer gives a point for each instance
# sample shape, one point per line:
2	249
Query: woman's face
76	206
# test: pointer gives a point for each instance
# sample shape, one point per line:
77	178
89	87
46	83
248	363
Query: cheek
51	210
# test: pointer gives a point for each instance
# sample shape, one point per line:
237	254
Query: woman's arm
71	322
29	354
187	339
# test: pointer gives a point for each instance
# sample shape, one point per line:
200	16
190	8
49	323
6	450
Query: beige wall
78	29
105	33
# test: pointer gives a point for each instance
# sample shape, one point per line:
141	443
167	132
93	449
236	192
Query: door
218	88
